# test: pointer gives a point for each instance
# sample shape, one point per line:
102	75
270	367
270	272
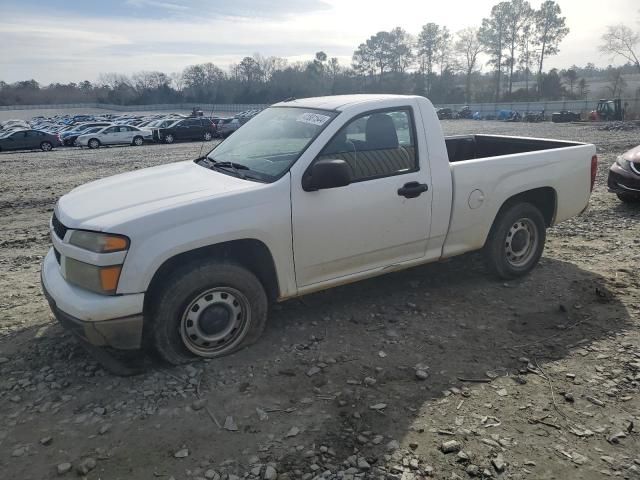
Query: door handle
412	189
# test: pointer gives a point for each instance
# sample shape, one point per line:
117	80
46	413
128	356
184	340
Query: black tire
169	138
516	241
138	141
173	304
46	146
93	143
628	198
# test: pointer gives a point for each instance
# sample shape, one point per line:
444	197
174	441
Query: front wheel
206	310
46	146
94	143
207	136
138	141
628	198
516	241
169	138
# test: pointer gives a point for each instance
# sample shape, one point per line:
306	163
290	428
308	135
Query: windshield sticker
313	118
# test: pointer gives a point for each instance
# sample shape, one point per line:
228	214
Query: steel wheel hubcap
521	242
138	141
214	321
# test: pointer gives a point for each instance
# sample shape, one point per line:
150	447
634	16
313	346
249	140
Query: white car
186	256
115	135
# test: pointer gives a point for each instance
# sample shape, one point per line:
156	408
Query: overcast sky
71	40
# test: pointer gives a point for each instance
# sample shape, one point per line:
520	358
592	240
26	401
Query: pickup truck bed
468	147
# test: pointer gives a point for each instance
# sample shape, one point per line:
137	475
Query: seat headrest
380	132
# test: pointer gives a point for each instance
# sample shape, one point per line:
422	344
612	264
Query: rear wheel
138	141
94	143
628	198
169	138
46	146
207	310
207	136
516	241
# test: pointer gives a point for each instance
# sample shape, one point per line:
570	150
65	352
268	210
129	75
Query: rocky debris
619	126
450	446
293	432
211	475
19	452
64	468
46	441
86	465
313	371
270	473
516	333
230	424
182	453
498	463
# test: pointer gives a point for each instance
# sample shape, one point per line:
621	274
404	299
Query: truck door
382	218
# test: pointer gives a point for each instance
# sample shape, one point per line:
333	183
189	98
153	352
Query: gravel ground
439	371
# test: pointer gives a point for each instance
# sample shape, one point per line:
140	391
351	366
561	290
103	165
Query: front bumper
623	181
114	321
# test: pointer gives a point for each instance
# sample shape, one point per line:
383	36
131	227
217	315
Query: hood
104	203
632	155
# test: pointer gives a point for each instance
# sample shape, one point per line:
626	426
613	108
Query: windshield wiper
213	164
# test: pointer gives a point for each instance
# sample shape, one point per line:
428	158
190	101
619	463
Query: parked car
69	137
186	256
29	140
624	176
226	126
72	140
565	116
444	113
115	135
187	129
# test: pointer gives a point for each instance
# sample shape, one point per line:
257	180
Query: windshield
273	140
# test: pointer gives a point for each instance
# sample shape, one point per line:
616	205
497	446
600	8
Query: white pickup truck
309	194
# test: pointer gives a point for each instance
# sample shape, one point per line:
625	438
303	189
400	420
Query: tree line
516	39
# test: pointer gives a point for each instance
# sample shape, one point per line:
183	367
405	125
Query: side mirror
330	173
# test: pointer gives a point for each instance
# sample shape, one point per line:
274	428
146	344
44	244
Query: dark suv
187	129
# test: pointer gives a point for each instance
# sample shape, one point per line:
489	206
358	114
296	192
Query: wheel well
252	254
544	198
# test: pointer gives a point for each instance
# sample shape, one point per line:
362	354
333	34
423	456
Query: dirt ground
532	379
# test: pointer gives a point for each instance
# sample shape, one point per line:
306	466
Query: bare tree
571	76
528	56
492	36
177	80
550	31
583	88
617	83
468	48
519	14
430	48
622	41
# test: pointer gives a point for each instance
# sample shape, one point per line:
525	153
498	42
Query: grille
58	227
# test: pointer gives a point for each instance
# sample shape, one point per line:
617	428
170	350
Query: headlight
624	164
99	242
102	280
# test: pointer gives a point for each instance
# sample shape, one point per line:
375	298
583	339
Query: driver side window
374	145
